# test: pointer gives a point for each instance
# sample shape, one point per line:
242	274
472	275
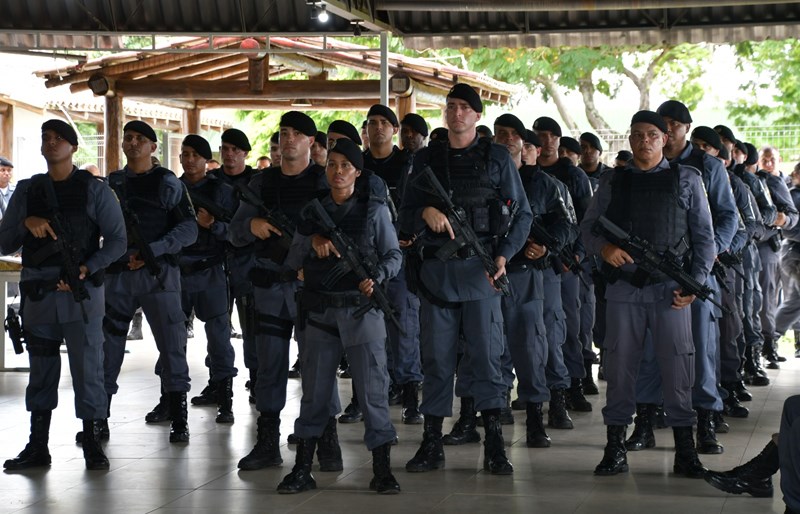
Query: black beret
549	124
63	129
571	144
468	94
346	129
199	144
236	138
382	110
350	150
752	154
532	138
650	117
741	147
675	110
142	128
439	134
624	155
417	123
5	162
725	132
275	138
593	141
724	153
511	121
484	131
299	121
321	138
708	135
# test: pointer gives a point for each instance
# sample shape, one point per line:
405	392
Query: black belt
201	265
642	279
319	301
261	277
429	252
115	268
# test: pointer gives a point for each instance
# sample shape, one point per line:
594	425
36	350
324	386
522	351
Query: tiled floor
150	475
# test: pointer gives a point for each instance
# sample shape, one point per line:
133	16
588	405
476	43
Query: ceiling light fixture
322	15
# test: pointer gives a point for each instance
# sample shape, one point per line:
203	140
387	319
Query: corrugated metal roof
428	23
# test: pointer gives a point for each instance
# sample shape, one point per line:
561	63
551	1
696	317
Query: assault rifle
363	266
731	261
565	256
68	250
650	260
275	217
462	229
145	252
14	329
201	201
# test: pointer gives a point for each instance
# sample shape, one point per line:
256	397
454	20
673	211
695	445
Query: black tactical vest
72	197
206	244
140	195
355	225
392	169
646	205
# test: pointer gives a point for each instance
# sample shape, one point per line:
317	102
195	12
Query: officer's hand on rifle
263	229
204	218
565	268
500	262
679	301
366	287
535	251
135	262
63	286
437	221
300	275
39	227
615	255
323	247
780	219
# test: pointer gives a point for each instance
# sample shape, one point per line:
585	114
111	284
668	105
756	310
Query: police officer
87	211
662	203
706	397
284	190
319	150
413	132
157	209
523	312
204	286
456	295
234	150
392	165
331	326
580	189
590	163
569	148
789	310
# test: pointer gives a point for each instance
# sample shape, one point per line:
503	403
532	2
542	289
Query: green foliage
772	66
86	153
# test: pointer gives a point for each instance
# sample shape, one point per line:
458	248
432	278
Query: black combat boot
300	479
707	443
615	459
494	450
506	414
753	371
575	399
395	396
383	482
208	396
430	455
105	432
160	412
352	413
535	435
92	451
179	432
770	353
589	386
464	430
753	477
294	371
557	416
225	401
686	461
411	413
267	450
135	333
329	453
720	425
731	405
35	454
642	436
253	380
742	392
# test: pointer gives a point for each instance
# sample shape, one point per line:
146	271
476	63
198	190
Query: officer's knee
41	347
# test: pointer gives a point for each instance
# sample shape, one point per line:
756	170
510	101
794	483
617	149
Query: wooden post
258	73
405	105
112	128
191	121
7	130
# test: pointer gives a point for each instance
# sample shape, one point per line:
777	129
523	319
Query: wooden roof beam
240	90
